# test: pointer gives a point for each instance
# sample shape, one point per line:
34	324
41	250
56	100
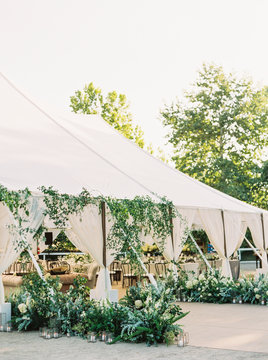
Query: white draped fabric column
180	227
255	226
235	230
265	223
213	225
8	253
87	228
9	239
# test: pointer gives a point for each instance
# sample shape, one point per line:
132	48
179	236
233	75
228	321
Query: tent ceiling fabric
73	151
36	151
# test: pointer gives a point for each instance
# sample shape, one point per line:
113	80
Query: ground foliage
146	314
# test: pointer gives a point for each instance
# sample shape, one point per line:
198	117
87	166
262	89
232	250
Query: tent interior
73	152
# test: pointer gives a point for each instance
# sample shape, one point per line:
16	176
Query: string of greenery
130	217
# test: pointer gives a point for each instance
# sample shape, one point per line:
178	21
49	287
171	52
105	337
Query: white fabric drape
255	227
9	239
179	228
88	237
265	223
173	251
213	225
8	253
235	230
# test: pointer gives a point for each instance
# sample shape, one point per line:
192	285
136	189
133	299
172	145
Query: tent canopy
71	152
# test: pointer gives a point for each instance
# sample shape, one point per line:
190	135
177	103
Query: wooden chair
128	275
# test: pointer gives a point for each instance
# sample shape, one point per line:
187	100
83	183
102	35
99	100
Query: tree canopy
113	107
219	131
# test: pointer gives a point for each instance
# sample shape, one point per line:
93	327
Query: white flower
138	304
22	308
195	282
167	291
189	284
28	301
258	296
59	286
267	293
256	290
201	277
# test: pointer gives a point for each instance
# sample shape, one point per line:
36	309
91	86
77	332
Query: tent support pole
224	233
36	265
253	248
104	257
199	250
173	245
103	221
263	232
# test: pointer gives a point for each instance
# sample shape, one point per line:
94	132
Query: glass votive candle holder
43	332
186	338
68	334
56	333
92	337
184	298
262	302
9	326
109	338
234	301
49	334
240	301
2	321
180	340
103	336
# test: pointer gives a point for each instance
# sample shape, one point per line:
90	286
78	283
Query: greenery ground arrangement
146	314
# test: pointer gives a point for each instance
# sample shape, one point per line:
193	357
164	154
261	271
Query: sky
149	50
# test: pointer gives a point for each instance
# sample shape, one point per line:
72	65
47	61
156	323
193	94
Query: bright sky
149	50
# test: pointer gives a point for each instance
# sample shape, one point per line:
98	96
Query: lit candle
234	301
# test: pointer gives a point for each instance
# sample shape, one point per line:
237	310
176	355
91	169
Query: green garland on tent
130	216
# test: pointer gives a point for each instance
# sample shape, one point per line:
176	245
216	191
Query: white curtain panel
9	239
235	230
88	237
265	222
8	254
179	228
213	225
255	226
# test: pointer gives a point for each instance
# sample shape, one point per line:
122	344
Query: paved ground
29	346
217	332
227	326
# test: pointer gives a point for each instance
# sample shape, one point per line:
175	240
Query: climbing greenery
131	218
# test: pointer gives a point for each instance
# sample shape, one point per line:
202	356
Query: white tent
71	152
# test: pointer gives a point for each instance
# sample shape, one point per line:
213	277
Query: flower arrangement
213	287
146	314
152	250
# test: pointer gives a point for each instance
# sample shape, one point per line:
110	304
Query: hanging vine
130	217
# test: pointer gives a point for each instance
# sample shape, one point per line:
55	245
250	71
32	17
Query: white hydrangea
201	277
256	290
138	304
195	282
258	296
189	284
22	308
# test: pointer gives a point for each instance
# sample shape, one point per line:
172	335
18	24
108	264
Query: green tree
113	107
219	131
